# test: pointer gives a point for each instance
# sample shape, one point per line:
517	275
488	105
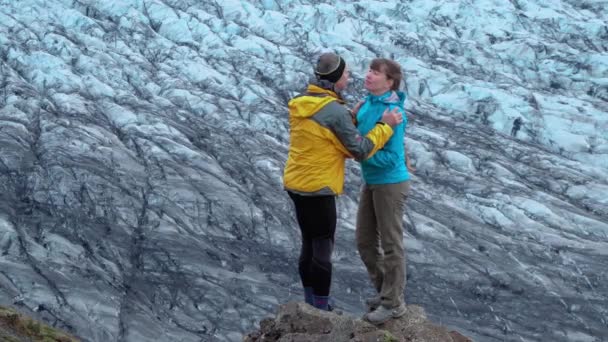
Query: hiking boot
373	302
308	297
321	302
383	314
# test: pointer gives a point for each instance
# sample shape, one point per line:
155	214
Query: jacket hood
309	103
390	97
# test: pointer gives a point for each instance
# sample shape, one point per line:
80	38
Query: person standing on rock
379	228
322	135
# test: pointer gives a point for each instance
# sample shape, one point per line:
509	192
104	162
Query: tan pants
380	238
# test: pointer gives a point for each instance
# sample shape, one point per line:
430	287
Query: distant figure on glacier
379	229
516	126
322	135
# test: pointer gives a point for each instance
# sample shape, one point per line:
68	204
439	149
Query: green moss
5	338
32	329
388	337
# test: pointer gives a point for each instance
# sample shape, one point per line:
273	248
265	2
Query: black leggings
317	220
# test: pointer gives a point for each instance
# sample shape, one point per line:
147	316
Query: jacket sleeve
383	159
360	147
389	155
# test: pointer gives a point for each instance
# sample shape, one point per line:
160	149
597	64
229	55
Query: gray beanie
330	67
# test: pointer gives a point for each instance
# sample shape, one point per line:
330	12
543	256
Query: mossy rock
388	337
23	328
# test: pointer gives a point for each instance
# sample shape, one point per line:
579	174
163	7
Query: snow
191	82
459	161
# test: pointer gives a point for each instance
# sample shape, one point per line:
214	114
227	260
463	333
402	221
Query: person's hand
392	118
356	108
409	166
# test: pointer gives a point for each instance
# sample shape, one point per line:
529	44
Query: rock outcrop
299	322
15	327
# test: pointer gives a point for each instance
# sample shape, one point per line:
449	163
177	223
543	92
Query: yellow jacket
322	135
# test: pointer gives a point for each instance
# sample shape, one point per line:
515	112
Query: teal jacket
387	166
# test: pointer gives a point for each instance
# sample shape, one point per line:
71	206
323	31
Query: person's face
377	82
343	81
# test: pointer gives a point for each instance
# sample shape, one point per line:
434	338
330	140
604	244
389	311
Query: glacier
142	144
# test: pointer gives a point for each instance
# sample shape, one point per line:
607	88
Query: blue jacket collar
390	97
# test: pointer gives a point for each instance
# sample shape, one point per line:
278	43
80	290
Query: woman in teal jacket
381	204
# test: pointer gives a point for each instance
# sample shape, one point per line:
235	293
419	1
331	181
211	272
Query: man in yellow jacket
322	136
